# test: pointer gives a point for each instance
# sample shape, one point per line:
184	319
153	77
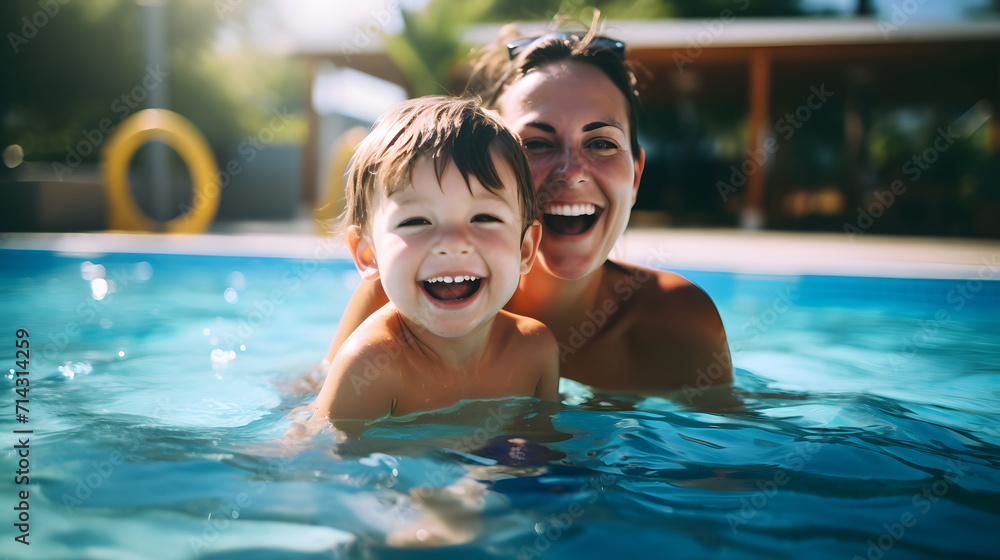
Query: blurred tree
70	66
429	47
864	8
642	9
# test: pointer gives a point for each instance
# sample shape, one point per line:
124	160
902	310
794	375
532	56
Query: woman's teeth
585	209
570	219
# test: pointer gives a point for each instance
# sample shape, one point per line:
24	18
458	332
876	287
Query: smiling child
441	211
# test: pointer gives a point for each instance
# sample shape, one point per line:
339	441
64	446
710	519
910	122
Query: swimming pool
862	424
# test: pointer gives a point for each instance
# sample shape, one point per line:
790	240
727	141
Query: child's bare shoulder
528	341
526	329
533	347
363	379
376	334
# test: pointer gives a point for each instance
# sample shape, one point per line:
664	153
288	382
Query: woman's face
574	124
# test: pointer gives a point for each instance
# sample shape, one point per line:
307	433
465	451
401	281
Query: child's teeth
452	279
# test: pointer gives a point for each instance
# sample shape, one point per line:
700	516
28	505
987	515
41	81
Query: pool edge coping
733	251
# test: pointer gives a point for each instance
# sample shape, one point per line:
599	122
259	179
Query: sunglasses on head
516	46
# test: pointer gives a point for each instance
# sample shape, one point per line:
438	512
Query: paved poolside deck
741	251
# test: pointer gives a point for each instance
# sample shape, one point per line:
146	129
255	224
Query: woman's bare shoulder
673	321
661	294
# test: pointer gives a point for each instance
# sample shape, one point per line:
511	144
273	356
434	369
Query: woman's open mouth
451	288
570	219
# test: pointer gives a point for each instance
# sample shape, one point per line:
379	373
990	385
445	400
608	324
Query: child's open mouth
452	288
570	219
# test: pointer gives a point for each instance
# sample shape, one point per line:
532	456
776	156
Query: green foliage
87	64
430	46
540	10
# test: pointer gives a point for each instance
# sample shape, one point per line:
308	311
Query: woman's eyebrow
598	124
542	126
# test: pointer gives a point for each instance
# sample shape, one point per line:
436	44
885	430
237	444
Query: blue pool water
863	423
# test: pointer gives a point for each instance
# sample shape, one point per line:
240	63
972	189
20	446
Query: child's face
449	259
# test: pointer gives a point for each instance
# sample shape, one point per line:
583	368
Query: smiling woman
572	99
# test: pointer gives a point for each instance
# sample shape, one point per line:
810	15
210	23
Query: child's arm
355	387
545	359
548	384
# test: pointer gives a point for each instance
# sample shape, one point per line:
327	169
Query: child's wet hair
498	66
446	129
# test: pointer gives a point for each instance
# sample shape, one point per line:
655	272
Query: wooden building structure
767	69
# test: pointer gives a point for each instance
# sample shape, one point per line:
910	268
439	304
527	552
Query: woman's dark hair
513	55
